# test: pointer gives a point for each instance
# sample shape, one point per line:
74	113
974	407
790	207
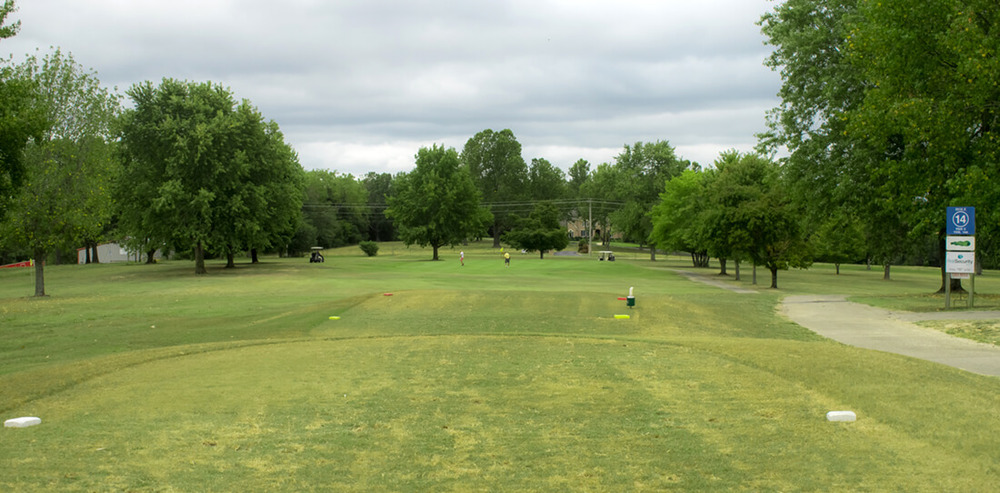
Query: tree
840	239
20	117
642	171
10	29
494	161
201	172
65	198
755	215
598	195
679	221
891	104
379	186
578	175
336	208
261	204
932	106
437	203
545	181
539	231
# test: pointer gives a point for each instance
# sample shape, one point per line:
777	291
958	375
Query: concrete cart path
868	327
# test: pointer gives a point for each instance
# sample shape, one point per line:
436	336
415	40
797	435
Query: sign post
960	246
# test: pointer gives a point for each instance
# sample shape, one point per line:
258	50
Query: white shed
113	252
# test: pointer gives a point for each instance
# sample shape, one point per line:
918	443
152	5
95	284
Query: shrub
369	247
583	247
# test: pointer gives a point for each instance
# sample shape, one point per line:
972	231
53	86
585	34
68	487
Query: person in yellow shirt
506	259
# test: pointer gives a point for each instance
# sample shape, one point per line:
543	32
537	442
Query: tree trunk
774	277
837	265
541	254
39	272
86	253
754	282
253	256
150	256
885	272
737	269
199	259
722	265
230	259
435	252
496	236
652	253
94	258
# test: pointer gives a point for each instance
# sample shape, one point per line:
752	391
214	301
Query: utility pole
590	227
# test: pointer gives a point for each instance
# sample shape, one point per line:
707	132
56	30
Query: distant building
577	229
113	252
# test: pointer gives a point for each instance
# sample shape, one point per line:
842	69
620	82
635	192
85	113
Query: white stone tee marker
841	416
22	422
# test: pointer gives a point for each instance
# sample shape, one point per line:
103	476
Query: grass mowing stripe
472	377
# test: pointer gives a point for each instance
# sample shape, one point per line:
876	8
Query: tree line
888	113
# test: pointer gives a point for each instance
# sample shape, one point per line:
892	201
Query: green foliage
601	185
545	181
752	215
8	30
437	203
642	169
681	216
540	231
498	171
201	171
22	117
579	173
334	210
65	199
369	247
379	187
889	110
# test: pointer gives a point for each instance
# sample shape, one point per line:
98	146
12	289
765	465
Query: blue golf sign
961	221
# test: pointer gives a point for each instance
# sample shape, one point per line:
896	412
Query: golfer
506	259
461	257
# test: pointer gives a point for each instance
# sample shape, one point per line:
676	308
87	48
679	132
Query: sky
361	85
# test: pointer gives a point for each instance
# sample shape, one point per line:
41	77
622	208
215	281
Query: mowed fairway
468	379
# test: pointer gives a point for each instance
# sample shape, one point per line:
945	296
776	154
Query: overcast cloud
361	85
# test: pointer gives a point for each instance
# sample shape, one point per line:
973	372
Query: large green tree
642	169
890	109
499	172
599	200
261	196
379	186
545	181
755	215
540	231
20	117
437	203
933	105
201	172
65	198
679	218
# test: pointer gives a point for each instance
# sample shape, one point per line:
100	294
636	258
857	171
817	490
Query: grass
471	378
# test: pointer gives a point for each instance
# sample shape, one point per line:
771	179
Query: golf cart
317	255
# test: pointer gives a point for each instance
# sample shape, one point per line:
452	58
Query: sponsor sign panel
960	243
960	263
